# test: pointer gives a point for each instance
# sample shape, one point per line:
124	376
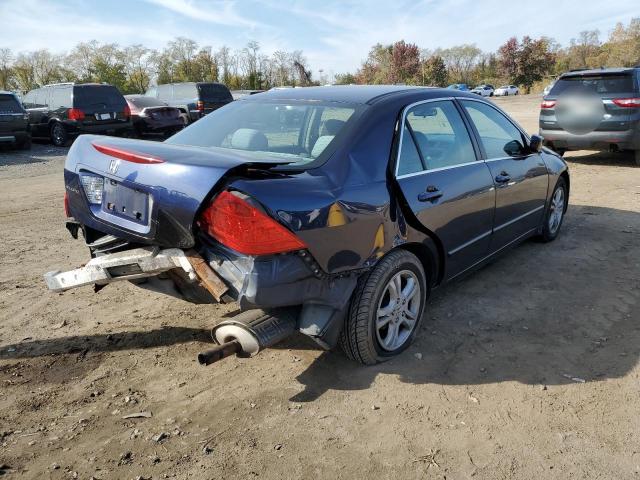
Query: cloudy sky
335	35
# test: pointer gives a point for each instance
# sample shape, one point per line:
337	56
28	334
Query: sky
335	35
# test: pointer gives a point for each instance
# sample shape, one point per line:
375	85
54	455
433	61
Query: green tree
434	71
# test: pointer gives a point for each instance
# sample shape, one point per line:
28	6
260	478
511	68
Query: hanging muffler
250	332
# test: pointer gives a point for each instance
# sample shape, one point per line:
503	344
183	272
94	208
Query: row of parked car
487	90
60	112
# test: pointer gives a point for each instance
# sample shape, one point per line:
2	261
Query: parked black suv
593	109
14	121
194	99
62	111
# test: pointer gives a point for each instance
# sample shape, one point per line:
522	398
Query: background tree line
133	68
527	62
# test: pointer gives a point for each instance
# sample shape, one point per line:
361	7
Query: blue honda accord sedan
333	211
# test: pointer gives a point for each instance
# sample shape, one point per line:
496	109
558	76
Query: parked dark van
14	122
195	99
63	111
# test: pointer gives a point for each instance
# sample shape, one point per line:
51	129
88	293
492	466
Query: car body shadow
622	159
543	314
106	342
38	154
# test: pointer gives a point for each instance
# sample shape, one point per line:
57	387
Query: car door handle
503	177
432	193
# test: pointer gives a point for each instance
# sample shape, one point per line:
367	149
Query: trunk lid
149	203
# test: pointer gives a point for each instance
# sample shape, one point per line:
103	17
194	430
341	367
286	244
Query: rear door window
96	96
441	138
165	91
185	90
9	104
598	84
60	98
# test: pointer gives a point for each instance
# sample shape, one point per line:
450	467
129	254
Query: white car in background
483	90
506	90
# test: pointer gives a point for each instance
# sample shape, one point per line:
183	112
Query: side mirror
535	143
514	148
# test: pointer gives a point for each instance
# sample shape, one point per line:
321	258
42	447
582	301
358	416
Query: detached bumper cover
127	265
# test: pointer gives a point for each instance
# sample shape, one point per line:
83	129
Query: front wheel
386	309
555	213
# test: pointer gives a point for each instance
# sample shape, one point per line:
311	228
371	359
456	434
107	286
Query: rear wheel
637	153
555	212
59	135
386	309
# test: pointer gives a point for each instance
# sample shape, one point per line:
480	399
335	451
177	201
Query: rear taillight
127	111
75	114
66	205
627	102
241	226
547	104
128	155
200	106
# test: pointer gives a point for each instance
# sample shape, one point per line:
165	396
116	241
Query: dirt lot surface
526	369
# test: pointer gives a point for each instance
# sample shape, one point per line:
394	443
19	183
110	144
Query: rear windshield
601	84
144	102
95	95
295	132
9	104
214	92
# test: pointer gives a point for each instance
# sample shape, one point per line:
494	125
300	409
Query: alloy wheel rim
398	310
57	133
557	210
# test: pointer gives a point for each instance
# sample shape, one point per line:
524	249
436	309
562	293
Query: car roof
597	71
4	92
364	94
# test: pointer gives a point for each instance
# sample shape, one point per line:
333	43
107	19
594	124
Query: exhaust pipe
249	333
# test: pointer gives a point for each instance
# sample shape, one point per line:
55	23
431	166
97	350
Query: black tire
637	156
359	338
58	135
561	151
517	92
549	231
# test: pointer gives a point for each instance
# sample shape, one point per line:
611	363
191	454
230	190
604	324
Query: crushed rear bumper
136	264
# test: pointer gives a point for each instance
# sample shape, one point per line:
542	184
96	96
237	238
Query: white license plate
103	116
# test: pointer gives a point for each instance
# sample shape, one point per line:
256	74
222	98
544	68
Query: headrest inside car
249	139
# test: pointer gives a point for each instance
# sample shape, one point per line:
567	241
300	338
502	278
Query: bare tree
6	73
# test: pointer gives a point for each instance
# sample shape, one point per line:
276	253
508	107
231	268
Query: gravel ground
525	369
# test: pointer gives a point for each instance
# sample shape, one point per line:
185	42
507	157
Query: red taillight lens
66	204
75	114
200	106
627	102
127	111
242	227
546	104
128	155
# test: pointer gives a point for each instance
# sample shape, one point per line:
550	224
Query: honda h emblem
113	166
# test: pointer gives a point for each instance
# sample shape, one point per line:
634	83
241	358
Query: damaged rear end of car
180	220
